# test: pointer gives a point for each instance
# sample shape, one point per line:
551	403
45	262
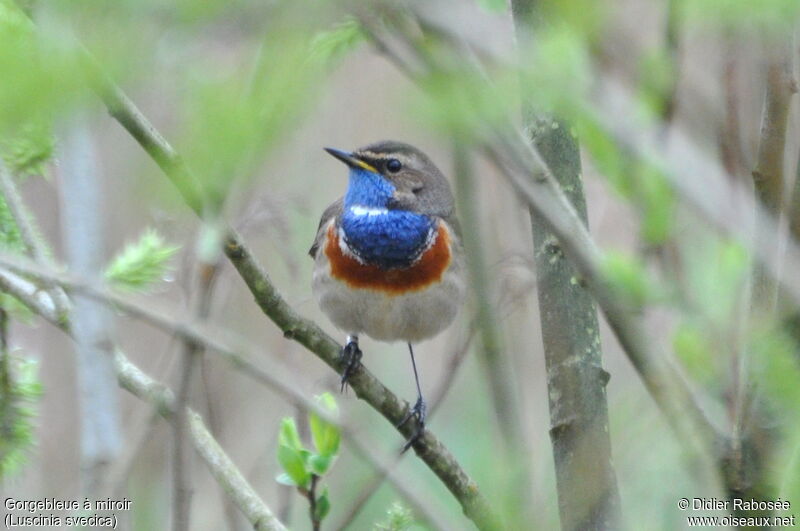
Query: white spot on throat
359	210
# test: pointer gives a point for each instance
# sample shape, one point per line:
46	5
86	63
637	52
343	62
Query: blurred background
249	93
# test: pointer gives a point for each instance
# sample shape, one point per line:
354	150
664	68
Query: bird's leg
350	357
419	410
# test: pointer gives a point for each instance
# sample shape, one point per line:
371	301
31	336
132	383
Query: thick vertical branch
587	489
744	473
768	174
81	207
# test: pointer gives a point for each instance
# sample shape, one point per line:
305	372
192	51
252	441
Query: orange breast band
427	270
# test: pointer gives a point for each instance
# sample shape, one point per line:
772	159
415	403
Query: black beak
344	156
349	159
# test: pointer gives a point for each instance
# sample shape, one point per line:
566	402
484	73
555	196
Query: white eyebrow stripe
359	210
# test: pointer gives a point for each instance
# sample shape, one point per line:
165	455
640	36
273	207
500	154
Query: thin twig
222	468
532	179
744	476
731	145
139	384
234	350
22	217
672	44
29	234
311	494
191	357
496	362
366	386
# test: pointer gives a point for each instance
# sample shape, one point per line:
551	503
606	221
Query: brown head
419	185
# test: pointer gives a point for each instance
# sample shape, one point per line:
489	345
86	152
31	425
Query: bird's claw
351	358
419	411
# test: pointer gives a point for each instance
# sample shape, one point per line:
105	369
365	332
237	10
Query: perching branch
233	350
371	486
304	331
364	384
522	164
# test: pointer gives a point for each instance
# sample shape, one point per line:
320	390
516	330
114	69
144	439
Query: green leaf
693	348
28	151
398	518
284	479
627	275
10	237
293	464
141	263
657	204
320	464
323	506
20	390
326	436
332	44
289	435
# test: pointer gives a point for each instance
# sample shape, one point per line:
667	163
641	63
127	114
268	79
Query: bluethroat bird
388	260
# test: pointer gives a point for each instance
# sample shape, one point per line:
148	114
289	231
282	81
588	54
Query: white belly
410	317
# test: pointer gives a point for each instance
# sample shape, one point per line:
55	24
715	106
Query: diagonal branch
366	386
29	233
588	496
232	349
139	384
222	468
532	179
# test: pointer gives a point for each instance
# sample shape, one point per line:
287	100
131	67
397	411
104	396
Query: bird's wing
333	210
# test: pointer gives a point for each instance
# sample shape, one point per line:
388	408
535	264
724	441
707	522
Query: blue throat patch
390	239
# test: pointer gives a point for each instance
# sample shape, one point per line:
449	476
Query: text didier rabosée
739	504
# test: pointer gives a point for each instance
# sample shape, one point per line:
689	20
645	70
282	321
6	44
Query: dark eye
393	165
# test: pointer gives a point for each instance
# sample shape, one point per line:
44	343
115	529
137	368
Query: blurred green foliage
30	151
141	264
775	15
42	75
696	352
20	390
11	241
627	277
229	101
398	518
329	45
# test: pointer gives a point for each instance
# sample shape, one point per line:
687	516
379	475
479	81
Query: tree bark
588	497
